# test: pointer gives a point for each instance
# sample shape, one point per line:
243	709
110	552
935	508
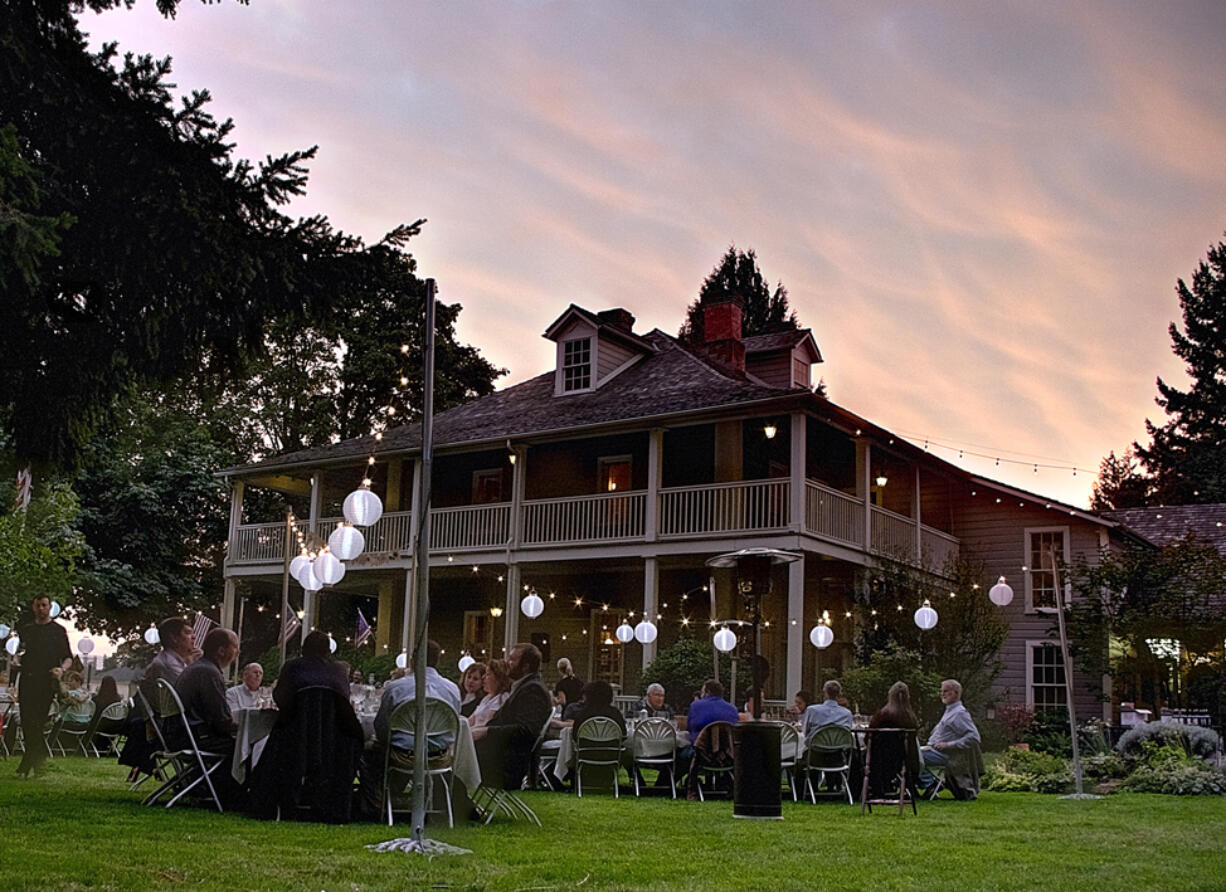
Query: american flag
201	628
364	630
292	624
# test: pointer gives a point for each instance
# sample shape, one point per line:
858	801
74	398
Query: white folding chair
828	752
78	730
789	743
440	719
108	727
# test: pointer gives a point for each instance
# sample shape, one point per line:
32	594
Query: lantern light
725	640
645	632
152	636
362	508
465	662
532	606
86	646
1001	593
296	565
346	542
821	636
308	579
402	660
328	569
4	630
55	609
624	633
926	617
12	645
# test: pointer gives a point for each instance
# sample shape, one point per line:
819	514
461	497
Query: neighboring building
613	477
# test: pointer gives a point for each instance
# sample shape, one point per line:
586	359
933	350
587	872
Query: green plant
682	668
1177	776
1103	766
1049	733
1197	741
868	683
1029	771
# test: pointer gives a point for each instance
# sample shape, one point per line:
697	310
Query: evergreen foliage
682	668
1120	484
737	274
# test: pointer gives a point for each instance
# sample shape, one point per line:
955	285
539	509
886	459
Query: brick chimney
618	318
721	327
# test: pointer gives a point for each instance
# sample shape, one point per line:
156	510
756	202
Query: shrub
1028	771
682	668
868	683
1103	766
1180	778
1048	733
1015	720
1195	740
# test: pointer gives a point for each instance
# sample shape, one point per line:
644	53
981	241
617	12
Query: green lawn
78	827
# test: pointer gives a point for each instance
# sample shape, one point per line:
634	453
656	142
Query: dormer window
577	365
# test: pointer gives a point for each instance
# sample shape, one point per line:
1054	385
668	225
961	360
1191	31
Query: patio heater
757	776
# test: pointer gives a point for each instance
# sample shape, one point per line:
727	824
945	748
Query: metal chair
192	765
599	742
655	746
891	766
544	756
713	756
829	751
80	730
108	726
789	743
441	719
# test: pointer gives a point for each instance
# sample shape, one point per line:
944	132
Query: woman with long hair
472	688
497	682
897	712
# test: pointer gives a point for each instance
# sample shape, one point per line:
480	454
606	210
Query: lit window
577	364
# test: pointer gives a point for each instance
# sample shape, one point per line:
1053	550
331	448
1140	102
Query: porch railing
470	526
391	533
893	534
258	543
833	514
600	518
756	506
938	548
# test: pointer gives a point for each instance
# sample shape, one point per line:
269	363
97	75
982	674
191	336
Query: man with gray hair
652	706
954	733
828	712
246	694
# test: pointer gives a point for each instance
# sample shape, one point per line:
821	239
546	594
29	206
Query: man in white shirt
246	694
955	731
828	712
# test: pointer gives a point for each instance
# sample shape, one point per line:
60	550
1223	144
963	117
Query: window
577	365
614	474
1045	674
1040	579
487	486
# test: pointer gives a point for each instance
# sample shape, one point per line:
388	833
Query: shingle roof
775	340
1170	522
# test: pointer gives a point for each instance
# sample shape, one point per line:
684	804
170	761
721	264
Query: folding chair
81	731
494	800
599	742
789	743
891	766
440	719
193	764
828	751
655	746
9	727
713	756
108	726
544	755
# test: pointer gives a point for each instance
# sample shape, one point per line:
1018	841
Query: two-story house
605	484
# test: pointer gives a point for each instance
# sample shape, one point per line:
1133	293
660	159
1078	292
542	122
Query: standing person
570	686
44	658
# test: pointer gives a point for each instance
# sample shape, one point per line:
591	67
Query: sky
980	209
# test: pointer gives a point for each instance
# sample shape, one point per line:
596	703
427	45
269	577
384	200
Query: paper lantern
86	646
346	542
465	662
725	640
926	617
1001	593
645	632
4	630
331	643
821	636
624	633
12	644
402	660
328	569
55	609
532	606
152	636
363	508
296	565
307	579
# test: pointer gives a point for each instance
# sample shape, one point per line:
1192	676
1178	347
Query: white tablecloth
254	726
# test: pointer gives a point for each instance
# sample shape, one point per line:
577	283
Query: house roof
782	340
1164	525
606	328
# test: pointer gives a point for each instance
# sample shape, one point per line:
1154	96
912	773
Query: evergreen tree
738	273
1186	458
1120	484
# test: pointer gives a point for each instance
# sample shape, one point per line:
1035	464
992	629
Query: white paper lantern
12	644
152	636
329	570
725	640
296	565
465	662
1001	593
307	579
363	508
55	609
402	660
821	636
926	617
4	630
86	646
532	606
331	643
346	542
624	633
645	632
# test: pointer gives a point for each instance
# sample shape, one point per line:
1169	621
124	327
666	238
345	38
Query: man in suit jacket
504	746
315	668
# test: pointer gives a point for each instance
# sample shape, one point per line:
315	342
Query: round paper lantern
1001	593
331	643
926	617
329	570
624	633
12	644
645	632
152	636
363	508
296	565
465	662
55	609
346	542
4	630
86	646
725	640
532	606
821	636
402	660
307	579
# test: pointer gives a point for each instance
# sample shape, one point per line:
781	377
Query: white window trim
1026	533
559	386
1031	644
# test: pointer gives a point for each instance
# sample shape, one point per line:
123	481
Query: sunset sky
980	209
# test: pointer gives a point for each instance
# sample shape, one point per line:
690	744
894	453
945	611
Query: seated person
108	694
752	698
504	745
955	735
598	701
828	712
472	689
710	707
315	668
497	683
246	694
78	710
804	699
897	712
202	689
653	704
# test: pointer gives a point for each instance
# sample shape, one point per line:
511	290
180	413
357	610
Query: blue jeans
934	757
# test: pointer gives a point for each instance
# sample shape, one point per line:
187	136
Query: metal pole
421	566
289	546
1068	673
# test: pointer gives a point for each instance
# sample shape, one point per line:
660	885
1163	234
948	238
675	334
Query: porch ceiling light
769	431
1001	593
495	611
926	617
882	480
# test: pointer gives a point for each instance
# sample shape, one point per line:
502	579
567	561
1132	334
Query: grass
78	827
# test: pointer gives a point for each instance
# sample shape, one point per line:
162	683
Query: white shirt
490	705
242	697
